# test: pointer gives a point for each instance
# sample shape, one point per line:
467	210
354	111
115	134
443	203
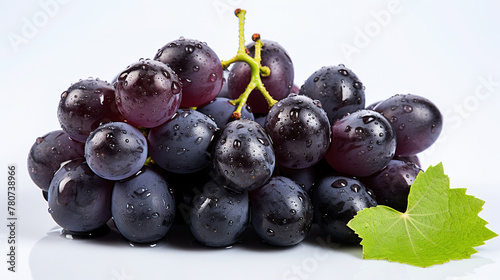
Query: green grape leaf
439	225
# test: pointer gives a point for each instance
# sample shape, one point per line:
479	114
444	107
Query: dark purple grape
282	212
279	83
362	143
300	131
261	119
85	105
221	110
219	217
116	150
148	93
79	200
243	156
412	158
185	187
338	88
391	185
305	177
47	154
416	121
143	207
181	144
336	201
198	67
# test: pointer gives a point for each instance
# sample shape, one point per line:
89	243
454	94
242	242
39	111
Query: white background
446	51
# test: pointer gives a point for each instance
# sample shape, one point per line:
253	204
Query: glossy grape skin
47	154
279	83
148	93
116	150
243	156
143	207
305	177
336	200
78	199
219	217
337	88
416	121
391	185
220	110
282	212
85	105
181	145
198	67
300	131
362	143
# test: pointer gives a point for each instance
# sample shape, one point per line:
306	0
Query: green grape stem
256	69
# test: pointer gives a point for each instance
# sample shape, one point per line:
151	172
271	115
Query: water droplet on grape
355	188
189	49
237	144
368	119
340	183
294	114
270	232
196	68
357	85
213	77
343	72
176	88
408	108
155	215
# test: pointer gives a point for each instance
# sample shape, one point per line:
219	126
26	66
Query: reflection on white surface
180	257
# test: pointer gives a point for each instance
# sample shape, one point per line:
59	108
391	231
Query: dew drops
270	232
236	144
213	77
294	114
343	72
198	140
176	88
155	215
196	68
189	49
355	188
408	108
340	183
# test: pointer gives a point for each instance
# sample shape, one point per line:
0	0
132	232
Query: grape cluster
165	144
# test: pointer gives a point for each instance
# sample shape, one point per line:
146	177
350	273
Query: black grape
181	144
198	67
220	110
219	217
338	88
143	207
305	177
47	154
243	156
85	105
148	93
79	200
362	143
391	185
279	83
116	150
282	212
300	131
416	121
336	201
